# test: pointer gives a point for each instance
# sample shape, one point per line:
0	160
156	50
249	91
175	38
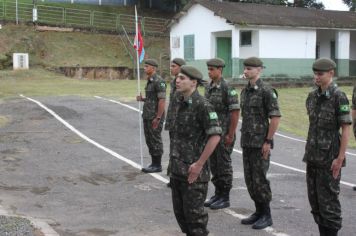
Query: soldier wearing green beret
260	119
153	114
195	134
175	69
224	98
328	110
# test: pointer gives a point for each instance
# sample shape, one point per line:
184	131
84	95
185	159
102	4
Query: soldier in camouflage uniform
153	114
175	69
328	110
196	132
260	119
224	98
354	115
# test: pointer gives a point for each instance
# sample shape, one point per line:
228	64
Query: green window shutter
189	47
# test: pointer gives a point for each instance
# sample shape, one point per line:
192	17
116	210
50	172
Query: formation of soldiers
202	132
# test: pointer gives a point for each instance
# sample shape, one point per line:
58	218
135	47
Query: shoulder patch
344	108
233	92
162	84
213	116
274	93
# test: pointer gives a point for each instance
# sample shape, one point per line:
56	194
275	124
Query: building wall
324	37
202	23
353	53
253	49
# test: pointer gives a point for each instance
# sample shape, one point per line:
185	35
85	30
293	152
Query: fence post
64	16
117	22
91	19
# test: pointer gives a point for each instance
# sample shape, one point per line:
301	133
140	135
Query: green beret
216	62
178	61
192	72
253	62
151	62
324	64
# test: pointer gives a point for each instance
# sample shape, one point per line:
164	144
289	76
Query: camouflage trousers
255	172
323	194
169	161
188	205
153	138
221	168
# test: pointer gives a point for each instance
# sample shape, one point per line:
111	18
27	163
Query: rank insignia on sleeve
213	115
344	108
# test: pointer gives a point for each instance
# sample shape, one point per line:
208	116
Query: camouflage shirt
224	98
195	121
327	111
173	97
155	89
258	104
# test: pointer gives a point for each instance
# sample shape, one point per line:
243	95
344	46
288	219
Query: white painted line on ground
240	152
157	176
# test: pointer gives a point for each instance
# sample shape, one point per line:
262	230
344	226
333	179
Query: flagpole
138	86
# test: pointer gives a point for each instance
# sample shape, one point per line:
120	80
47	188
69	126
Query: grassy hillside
55	49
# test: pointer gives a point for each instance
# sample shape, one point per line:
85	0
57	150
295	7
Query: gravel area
16	226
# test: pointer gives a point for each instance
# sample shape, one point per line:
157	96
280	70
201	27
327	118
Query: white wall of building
253	49
287	43
201	22
353	45
342	44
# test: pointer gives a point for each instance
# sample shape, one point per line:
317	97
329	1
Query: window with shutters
189	47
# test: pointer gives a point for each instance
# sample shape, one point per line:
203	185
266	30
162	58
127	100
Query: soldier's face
149	70
252	72
174	69
323	78
184	84
214	73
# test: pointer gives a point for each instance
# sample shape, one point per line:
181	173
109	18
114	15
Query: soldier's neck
324	87
253	81
188	93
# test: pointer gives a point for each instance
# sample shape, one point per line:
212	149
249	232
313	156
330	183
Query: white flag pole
138	85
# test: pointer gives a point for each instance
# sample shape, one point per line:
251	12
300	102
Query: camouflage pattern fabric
188	204
224	99
153	138
155	89
258	103
195	120
327	111
255	172
323	194
172	106
354	108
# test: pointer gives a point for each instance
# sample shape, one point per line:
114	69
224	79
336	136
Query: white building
287	39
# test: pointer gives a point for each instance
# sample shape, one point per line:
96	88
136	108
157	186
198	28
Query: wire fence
70	17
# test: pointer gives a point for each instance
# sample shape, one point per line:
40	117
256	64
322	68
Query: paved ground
86	185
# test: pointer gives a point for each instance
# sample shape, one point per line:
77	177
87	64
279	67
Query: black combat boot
330	231
322	230
211	200
155	166
254	217
265	220
222	202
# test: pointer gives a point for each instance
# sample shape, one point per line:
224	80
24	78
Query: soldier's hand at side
139	98
336	167
266	148
228	140
155	123
194	171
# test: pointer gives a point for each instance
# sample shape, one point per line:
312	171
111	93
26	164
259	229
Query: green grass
40	82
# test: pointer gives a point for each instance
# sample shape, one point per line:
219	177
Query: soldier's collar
189	100
256	86
152	78
217	84
328	92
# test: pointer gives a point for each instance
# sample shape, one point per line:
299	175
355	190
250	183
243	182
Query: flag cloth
138	45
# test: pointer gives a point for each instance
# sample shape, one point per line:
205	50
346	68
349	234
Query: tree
297	3
351	4
309	4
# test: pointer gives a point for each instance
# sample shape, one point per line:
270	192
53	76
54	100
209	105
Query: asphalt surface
49	172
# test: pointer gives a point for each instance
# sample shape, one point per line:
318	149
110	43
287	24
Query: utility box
20	61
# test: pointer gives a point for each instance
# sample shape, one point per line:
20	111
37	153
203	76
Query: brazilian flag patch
233	92
274	95
213	115
163	85
344	108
